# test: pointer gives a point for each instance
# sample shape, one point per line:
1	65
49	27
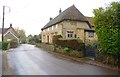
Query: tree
21	33
34	39
107	27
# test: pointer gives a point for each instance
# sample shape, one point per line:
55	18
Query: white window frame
56	26
48	29
70	34
90	34
52	27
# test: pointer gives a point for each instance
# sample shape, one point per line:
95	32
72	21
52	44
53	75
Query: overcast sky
32	15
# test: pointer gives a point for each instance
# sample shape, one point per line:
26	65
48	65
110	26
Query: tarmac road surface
30	60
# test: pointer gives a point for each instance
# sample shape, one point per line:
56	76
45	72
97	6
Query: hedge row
5	45
71	43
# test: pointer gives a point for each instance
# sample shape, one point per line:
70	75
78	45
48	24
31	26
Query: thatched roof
71	13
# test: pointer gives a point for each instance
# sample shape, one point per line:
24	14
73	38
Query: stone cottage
9	34
70	23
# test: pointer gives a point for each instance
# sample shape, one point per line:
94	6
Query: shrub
67	39
66	49
38	45
13	40
59	36
76	54
107	28
5	45
13	43
55	46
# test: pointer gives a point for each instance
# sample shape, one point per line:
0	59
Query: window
8	39
48	29
70	34
56	26
91	34
52	27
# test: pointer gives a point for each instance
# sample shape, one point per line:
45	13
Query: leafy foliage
34	39
5	45
59	36
66	49
107	26
13	40
67	39
21	33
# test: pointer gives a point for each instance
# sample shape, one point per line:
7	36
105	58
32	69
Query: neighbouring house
9	34
70	23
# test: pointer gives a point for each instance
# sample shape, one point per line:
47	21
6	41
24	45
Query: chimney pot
51	18
10	25
60	11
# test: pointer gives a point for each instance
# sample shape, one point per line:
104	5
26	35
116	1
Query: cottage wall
90	40
48	33
76	27
9	36
62	28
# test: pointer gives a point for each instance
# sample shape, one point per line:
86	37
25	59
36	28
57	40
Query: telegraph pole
3	23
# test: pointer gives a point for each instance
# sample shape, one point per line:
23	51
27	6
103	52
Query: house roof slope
71	13
6	29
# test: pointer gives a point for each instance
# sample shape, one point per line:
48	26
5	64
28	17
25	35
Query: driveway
29	60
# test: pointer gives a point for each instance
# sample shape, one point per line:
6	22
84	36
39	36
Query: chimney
10	25
60	11
51	18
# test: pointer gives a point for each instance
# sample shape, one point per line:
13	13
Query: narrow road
29	60
0	62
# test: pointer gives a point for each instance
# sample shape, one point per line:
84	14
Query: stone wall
51	48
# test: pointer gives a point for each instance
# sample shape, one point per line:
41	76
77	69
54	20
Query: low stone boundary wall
45	46
49	47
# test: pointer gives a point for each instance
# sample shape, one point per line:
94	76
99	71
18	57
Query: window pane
70	34
91	34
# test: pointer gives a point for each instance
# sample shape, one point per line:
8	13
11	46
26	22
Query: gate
90	51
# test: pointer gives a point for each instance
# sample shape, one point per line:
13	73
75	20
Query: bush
66	49
5	45
55	46
71	39
59	36
13	43
76	54
13	40
38	45
107	23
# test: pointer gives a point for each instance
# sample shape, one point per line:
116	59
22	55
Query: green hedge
67	39
5	45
